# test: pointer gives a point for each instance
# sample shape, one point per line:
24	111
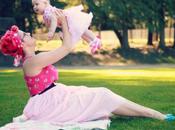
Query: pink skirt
78	22
69	104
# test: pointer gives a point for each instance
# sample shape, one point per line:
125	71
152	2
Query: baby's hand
50	36
59	24
60	34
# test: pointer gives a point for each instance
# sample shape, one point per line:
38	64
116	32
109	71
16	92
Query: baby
78	22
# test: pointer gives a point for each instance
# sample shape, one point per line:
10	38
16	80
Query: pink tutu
78	21
69	104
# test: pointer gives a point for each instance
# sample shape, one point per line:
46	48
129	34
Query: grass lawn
152	87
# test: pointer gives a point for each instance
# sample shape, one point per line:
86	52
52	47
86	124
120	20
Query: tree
59	3
4	11
156	20
174	33
171	13
72	2
161	23
117	15
21	11
6	17
149	17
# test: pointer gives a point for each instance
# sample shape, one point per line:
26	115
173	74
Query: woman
58	103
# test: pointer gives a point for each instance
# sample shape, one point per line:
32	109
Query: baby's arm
53	26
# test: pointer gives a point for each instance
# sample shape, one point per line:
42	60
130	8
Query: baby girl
78	22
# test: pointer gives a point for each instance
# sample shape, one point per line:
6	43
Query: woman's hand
60	16
67	39
46	58
50	36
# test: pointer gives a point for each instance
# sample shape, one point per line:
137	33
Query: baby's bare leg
94	42
88	36
84	37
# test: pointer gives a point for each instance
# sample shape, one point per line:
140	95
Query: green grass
152	87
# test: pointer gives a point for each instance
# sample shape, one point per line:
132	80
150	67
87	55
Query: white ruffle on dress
78	21
35	125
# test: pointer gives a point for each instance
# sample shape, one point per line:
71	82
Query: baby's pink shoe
95	45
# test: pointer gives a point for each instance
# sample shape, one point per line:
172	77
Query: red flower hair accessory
11	44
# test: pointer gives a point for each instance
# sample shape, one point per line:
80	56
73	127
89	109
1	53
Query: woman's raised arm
46	58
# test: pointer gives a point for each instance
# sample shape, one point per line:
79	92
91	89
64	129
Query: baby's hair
48	1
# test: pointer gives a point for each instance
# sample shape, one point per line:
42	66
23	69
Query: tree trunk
123	38
118	35
125	43
162	27
162	38
174	35
99	30
150	38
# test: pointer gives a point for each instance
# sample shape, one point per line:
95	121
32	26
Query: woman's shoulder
28	68
30	72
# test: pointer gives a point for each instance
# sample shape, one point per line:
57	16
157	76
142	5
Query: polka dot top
47	15
41	81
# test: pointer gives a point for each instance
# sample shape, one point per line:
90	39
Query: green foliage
122	14
58	3
118	15
6	8
129	13
23	13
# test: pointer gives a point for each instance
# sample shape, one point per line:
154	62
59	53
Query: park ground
152	86
111	54
145	75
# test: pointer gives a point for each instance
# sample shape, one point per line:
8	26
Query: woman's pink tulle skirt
68	104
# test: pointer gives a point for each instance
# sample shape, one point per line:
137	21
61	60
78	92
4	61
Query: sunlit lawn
152	87
108	43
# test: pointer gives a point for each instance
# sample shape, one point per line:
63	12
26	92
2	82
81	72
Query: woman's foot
95	45
169	117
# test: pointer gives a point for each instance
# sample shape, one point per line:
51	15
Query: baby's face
39	6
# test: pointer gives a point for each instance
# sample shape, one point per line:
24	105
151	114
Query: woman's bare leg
130	108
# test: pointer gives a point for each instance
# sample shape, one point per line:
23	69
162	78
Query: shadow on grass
147	55
79	58
133	55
